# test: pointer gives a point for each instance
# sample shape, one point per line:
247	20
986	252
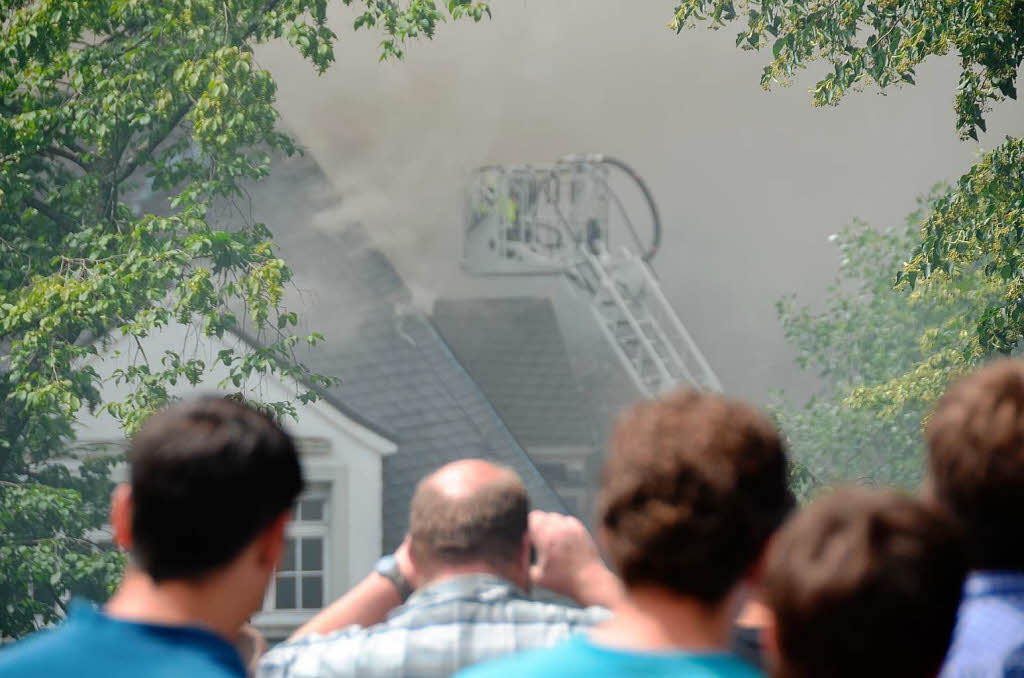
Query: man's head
469	514
694	486
864	583
976	462
209	479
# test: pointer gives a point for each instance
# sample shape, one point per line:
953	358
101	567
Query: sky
750	183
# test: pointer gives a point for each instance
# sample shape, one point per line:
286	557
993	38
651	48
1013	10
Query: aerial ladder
556	219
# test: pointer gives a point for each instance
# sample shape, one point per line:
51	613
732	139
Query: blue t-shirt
580	658
91	644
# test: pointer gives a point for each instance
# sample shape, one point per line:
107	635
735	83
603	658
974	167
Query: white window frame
297	529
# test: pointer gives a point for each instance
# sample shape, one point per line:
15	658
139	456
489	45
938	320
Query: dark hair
864	583
693	487
207	476
976	461
487	525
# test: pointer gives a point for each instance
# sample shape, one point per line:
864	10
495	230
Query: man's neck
176	603
655	619
446	572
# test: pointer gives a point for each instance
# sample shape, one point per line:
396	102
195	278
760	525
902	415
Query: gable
319	419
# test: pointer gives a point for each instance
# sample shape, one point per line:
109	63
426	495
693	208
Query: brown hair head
864	583
483	520
976	461
693	487
207	476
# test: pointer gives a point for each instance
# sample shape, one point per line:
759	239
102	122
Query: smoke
750	184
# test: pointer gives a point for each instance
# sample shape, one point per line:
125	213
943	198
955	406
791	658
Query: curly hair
976	461
861	576
694	485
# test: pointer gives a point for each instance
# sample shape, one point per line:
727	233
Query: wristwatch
387	567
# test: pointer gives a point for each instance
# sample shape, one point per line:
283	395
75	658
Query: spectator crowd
702	564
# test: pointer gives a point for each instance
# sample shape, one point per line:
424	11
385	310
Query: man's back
443	628
91	643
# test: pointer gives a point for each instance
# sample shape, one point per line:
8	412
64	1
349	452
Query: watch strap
387	567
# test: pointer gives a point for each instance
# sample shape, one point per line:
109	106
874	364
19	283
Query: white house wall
353	464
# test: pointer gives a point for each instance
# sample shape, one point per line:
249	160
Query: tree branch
68	155
77	148
136	158
44	209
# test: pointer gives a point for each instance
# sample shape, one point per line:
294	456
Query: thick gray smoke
750	183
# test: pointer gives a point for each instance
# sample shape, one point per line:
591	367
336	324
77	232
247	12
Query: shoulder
989	630
526	610
560	661
57	651
49	652
330	654
495	607
577	658
739	668
71	651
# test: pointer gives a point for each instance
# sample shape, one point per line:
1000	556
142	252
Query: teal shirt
580	658
91	644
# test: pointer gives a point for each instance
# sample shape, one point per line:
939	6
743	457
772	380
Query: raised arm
568	561
366	604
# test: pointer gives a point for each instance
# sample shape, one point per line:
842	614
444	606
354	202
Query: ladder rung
644	330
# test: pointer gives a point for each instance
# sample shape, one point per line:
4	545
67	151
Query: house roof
327	396
513	348
396	370
116	352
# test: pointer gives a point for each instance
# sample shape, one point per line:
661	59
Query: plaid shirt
441	629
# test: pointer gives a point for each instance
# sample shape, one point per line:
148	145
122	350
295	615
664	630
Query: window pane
312	592
288	557
311	510
285	599
312	554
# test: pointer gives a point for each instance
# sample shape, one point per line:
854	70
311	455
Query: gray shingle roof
396	370
513	348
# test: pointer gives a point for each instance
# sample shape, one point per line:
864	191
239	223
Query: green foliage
880	42
966	271
884	358
46	552
97	97
981	223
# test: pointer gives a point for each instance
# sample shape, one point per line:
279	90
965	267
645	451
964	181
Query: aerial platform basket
555	220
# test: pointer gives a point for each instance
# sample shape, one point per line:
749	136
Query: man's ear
523	577
121	516
755	573
410	568
270	542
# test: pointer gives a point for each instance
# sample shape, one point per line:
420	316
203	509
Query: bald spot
464	478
